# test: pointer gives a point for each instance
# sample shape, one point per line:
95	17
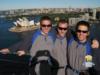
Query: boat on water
23	24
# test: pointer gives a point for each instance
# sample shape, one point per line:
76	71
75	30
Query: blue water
8	38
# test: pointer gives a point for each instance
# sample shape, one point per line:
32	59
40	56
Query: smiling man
60	46
79	47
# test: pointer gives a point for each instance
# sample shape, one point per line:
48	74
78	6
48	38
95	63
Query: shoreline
22	29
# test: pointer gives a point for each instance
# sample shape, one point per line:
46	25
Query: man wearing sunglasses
78	48
42	39
60	50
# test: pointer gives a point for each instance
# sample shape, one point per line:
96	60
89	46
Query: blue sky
18	4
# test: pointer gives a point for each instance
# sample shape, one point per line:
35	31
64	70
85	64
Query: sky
28	4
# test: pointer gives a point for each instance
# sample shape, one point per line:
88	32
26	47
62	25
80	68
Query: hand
95	44
5	51
21	52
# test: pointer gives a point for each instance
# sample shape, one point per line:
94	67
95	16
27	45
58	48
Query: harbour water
8	38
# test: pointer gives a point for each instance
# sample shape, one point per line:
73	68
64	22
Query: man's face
82	33
62	29
46	26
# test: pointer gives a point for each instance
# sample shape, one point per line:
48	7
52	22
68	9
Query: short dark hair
45	18
62	21
83	23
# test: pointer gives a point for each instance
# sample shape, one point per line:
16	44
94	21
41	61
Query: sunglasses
83	31
60	28
47	25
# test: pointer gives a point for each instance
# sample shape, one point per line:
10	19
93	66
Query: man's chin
82	40
46	32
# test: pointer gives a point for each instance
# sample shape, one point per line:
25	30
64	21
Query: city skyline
29	4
